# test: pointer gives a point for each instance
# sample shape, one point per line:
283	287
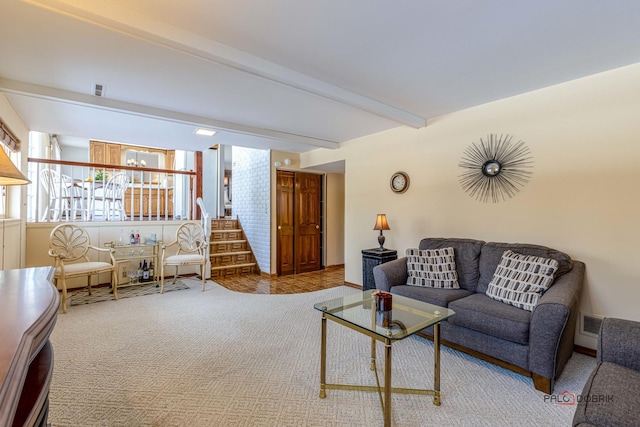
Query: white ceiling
291	75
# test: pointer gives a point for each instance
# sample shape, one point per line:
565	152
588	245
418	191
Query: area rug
221	358
101	294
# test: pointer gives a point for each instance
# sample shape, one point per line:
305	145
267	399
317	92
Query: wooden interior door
285	193
307	242
298	221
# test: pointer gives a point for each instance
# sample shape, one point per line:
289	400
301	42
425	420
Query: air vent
98	89
590	324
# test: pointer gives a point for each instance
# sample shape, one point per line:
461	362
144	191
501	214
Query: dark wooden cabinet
153	202
371	258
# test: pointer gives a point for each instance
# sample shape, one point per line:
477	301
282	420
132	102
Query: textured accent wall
251	200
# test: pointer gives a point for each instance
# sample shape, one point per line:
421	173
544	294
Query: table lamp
381	224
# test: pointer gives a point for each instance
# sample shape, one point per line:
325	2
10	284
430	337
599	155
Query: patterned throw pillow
434	268
520	280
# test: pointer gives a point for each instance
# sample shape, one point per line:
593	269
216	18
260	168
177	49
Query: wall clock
399	182
496	168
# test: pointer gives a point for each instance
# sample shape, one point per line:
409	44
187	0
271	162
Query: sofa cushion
486	315
467	253
520	280
437	296
610	397
432	268
491	255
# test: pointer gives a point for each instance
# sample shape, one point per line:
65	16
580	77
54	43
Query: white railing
77	191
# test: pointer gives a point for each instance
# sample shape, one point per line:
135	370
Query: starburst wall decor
495	169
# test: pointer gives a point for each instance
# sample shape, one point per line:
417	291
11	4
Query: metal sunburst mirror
495	169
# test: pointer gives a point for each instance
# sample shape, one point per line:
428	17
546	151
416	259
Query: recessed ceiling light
205	132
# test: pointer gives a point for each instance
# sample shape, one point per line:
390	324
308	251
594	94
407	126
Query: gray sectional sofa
610	396
536	343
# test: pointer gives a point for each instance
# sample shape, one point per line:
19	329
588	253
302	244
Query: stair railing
206	226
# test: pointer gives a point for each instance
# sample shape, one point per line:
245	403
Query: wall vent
98	89
590	324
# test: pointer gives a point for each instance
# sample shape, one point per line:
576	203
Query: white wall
210	181
582	199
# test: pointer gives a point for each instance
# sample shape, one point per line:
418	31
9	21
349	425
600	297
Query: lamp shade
9	173
381	223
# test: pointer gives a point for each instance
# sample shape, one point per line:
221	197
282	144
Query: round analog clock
399	182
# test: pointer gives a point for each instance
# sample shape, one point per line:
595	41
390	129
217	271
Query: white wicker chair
69	244
192	250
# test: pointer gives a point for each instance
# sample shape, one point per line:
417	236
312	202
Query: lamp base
381	241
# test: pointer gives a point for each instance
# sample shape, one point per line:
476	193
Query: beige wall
334	217
17	194
583	197
333	214
99	233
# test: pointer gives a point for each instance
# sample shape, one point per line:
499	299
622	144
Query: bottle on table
145	271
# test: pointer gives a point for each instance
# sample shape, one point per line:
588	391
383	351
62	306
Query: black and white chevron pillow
520	280
434	268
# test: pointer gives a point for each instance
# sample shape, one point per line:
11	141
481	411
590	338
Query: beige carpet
221	358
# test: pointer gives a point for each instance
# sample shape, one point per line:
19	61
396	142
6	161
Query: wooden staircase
230	253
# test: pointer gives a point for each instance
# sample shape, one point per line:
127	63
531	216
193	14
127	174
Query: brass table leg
373	355
323	358
373	341
387	383
436	364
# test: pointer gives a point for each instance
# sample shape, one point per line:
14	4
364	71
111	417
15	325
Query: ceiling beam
91	101
129	22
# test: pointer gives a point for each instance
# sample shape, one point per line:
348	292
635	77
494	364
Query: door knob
317	227
279	227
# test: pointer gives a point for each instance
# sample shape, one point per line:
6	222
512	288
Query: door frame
322	220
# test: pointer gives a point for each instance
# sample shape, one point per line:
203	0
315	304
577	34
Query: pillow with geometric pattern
433	268
520	280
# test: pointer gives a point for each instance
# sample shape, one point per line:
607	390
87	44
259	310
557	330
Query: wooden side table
371	258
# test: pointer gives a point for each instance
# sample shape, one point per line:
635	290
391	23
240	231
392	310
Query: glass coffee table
406	317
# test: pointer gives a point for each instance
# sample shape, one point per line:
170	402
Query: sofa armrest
553	324
619	342
390	274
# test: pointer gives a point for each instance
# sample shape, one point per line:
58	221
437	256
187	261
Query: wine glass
133	275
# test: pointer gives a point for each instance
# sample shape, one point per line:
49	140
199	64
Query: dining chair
69	245
111	197
78	196
192	245
59	198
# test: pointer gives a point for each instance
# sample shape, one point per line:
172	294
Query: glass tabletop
406	317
